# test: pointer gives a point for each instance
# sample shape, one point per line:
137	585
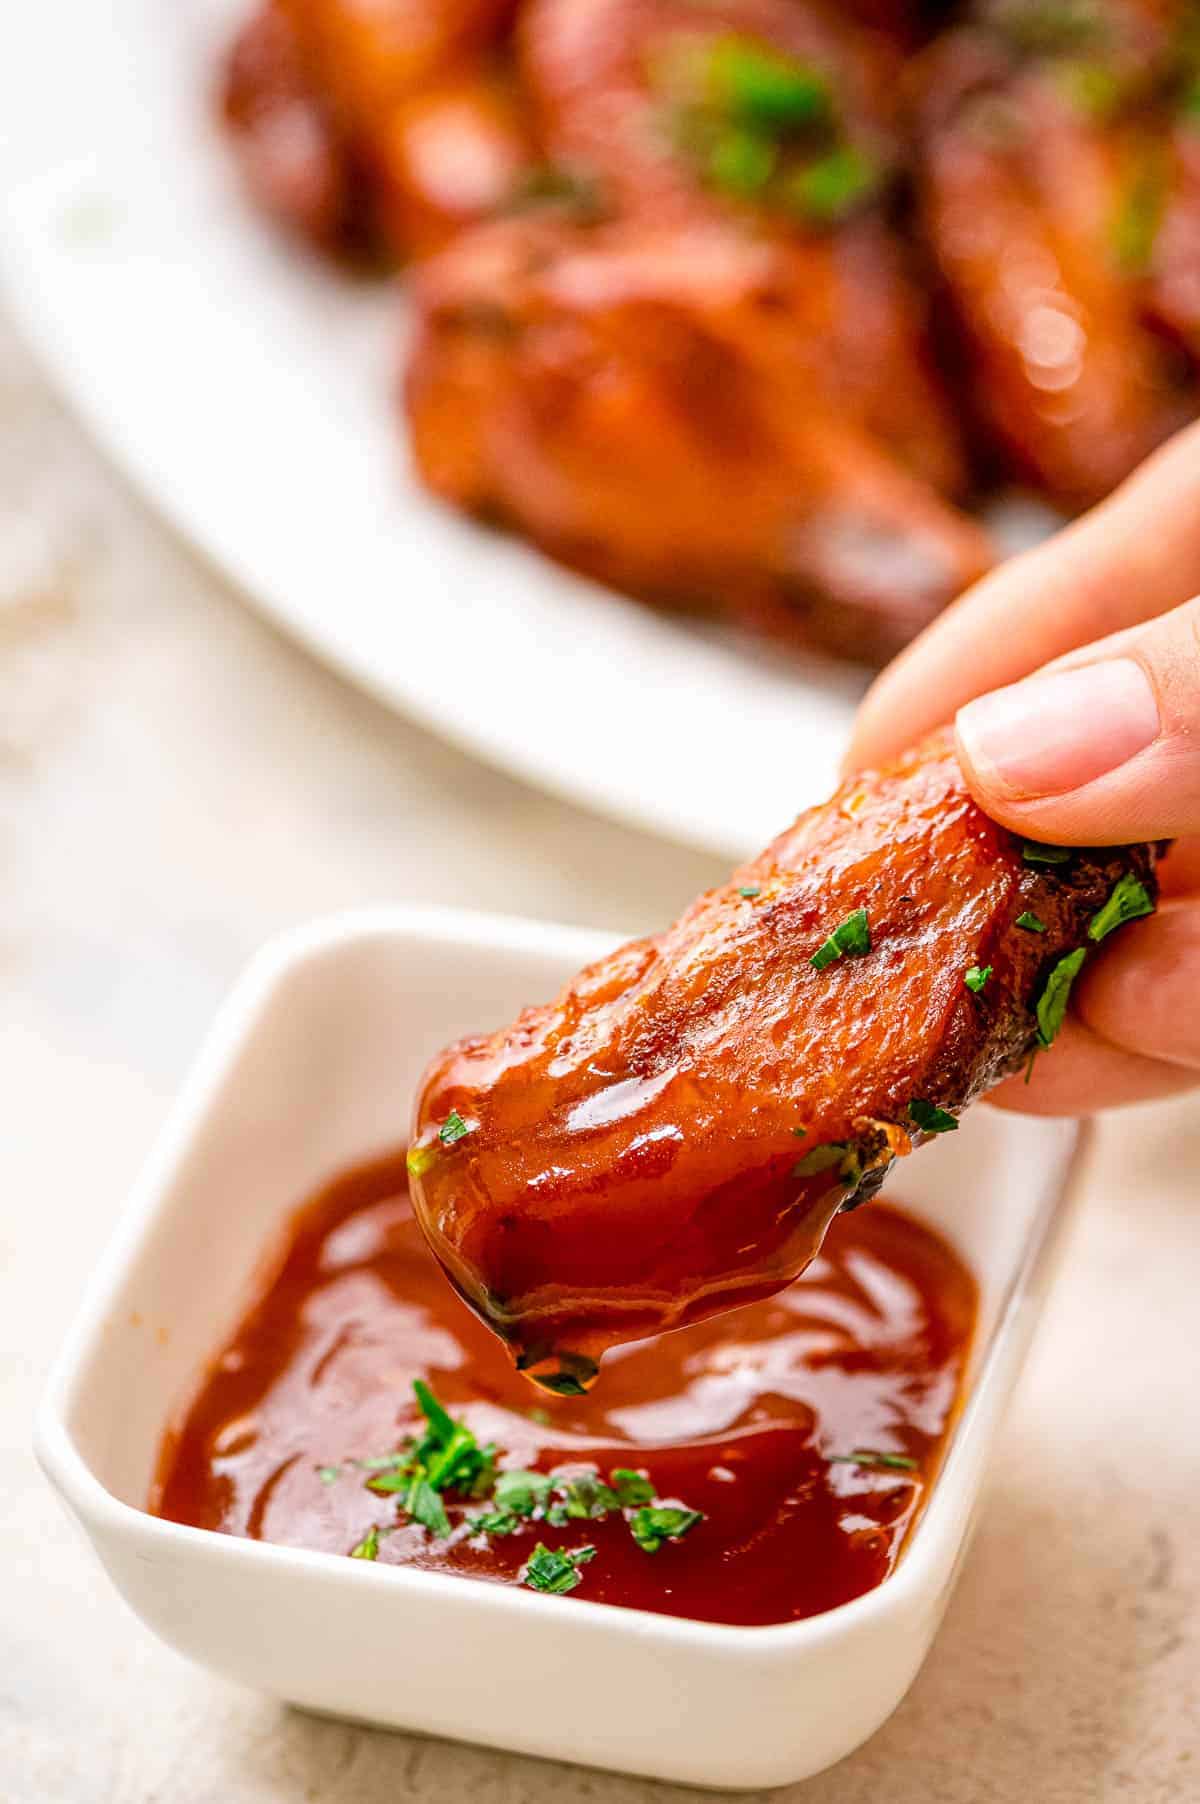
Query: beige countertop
177	782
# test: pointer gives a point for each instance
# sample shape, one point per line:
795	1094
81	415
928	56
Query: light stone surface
177	782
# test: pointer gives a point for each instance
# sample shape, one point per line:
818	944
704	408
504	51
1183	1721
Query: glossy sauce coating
736	1418
672	1135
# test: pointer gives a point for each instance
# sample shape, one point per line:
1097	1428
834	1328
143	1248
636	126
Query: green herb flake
800	1133
1134	229
521	1493
826	190
1052	1003
976	978
821	1158
391	1483
749	891
329	1475
453	1128
425	1506
656	1523
873	1457
554	1569
436	1414
368	1547
1129	900
1033	852
586	1497
542	1417
851	940
495	1522
929	1118
765	89
1030	923
741	163
632	1488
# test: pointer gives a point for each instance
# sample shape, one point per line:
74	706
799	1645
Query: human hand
1073	676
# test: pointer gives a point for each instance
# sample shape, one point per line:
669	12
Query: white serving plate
250	393
309	1068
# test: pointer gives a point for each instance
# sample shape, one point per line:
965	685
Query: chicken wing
386	127
1033	195
672	1136
665	412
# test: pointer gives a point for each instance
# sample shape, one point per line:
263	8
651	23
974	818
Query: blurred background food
745	307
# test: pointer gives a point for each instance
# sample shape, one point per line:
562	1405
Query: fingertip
1083	1074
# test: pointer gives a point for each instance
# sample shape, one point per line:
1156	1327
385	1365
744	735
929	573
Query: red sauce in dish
737	1416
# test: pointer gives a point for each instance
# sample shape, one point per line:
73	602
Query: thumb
1099	748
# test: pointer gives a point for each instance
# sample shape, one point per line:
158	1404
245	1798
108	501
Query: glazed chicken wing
742	324
1036	183
664	412
673	1135
383	127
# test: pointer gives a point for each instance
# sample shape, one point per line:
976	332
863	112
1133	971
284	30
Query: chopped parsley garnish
749	891
1052	1003
425	1506
447	1457
554	1569
800	1133
871	1456
765	89
329	1475
542	1417
850	940
929	1118
656	1523
821	1158
829	188
976	978
741	163
453	1128
587	1496
1134	229
495	1522
764	126
1128	901
1033	852
1030	923
521	1493
632	1488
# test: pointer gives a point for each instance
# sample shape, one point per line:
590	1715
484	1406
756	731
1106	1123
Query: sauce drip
736	1417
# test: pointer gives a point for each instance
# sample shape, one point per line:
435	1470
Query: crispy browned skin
630	1156
1029	198
681	416
388	127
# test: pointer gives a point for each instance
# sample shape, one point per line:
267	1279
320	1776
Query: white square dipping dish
309	1069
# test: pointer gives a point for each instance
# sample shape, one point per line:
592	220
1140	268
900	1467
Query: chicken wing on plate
741	323
382	128
1039	182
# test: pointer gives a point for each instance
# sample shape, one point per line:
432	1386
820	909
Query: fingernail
1054	733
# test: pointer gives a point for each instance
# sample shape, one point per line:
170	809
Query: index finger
1131	558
